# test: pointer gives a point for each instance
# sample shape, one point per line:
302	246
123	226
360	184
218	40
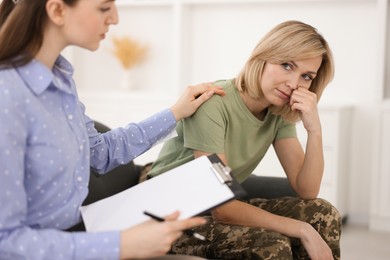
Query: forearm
255	217
309	179
40	244
129	142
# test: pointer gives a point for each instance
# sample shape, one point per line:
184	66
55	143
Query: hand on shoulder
193	97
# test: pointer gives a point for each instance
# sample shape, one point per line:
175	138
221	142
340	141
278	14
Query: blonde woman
281	82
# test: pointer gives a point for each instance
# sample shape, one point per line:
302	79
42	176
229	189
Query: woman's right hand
152	238
193	97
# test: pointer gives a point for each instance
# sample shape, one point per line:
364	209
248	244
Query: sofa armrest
119	179
267	187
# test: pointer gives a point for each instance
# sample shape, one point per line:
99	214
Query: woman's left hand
315	246
305	102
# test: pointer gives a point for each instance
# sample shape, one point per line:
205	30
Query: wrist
303	230
125	250
176	113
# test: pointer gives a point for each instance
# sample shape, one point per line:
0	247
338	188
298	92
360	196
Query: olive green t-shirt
224	125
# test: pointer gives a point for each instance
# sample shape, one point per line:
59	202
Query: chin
92	48
279	103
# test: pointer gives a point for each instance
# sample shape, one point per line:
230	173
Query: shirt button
70	117
79	179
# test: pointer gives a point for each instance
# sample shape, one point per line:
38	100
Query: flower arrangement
129	52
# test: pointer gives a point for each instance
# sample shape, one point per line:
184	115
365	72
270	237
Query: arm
136	138
304	170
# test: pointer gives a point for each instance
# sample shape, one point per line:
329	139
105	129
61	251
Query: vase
127	80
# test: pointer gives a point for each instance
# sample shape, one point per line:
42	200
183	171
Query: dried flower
128	51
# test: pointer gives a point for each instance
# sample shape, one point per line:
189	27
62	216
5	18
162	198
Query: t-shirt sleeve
286	130
205	130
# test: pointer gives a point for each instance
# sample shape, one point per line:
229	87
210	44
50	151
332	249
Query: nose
293	82
113	18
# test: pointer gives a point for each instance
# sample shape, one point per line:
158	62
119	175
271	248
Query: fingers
302	98
205	91
173	216
190	223
180	225
193	97
206	88
199	89
218	90
185	223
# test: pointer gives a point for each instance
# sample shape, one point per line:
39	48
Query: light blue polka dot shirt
47	145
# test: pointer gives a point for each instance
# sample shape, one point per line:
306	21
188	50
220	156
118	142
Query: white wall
208	40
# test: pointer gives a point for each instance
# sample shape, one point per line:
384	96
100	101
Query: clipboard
192	188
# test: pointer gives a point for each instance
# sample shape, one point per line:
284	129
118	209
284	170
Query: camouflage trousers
241	242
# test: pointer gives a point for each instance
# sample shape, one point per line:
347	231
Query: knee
326	210
325	215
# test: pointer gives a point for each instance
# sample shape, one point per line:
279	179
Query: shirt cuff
159	125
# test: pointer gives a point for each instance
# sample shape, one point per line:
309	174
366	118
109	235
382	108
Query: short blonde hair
288	41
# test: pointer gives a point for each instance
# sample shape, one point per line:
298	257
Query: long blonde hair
288	41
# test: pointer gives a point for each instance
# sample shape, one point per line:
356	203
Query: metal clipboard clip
222	172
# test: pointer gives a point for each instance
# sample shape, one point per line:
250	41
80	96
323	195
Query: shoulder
14	94
11	84
218	101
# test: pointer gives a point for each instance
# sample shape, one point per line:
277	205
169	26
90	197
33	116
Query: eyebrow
309	72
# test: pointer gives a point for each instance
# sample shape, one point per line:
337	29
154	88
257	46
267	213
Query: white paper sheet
191	188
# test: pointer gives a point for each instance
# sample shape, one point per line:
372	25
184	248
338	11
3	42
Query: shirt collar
38	77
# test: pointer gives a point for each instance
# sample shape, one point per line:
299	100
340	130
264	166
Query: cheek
272	73
89	27
306	85
270	77
84	25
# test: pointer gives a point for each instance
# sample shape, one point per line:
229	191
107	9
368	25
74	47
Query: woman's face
87	23
280	80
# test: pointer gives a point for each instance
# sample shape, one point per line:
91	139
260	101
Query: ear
56	11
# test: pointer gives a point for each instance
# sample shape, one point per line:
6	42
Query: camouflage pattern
240	242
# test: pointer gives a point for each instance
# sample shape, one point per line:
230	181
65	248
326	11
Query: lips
283	94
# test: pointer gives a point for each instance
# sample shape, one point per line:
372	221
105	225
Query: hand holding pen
188	232
151	238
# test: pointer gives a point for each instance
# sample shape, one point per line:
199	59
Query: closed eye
105	9
107	5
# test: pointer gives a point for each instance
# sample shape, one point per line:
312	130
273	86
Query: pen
188	232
